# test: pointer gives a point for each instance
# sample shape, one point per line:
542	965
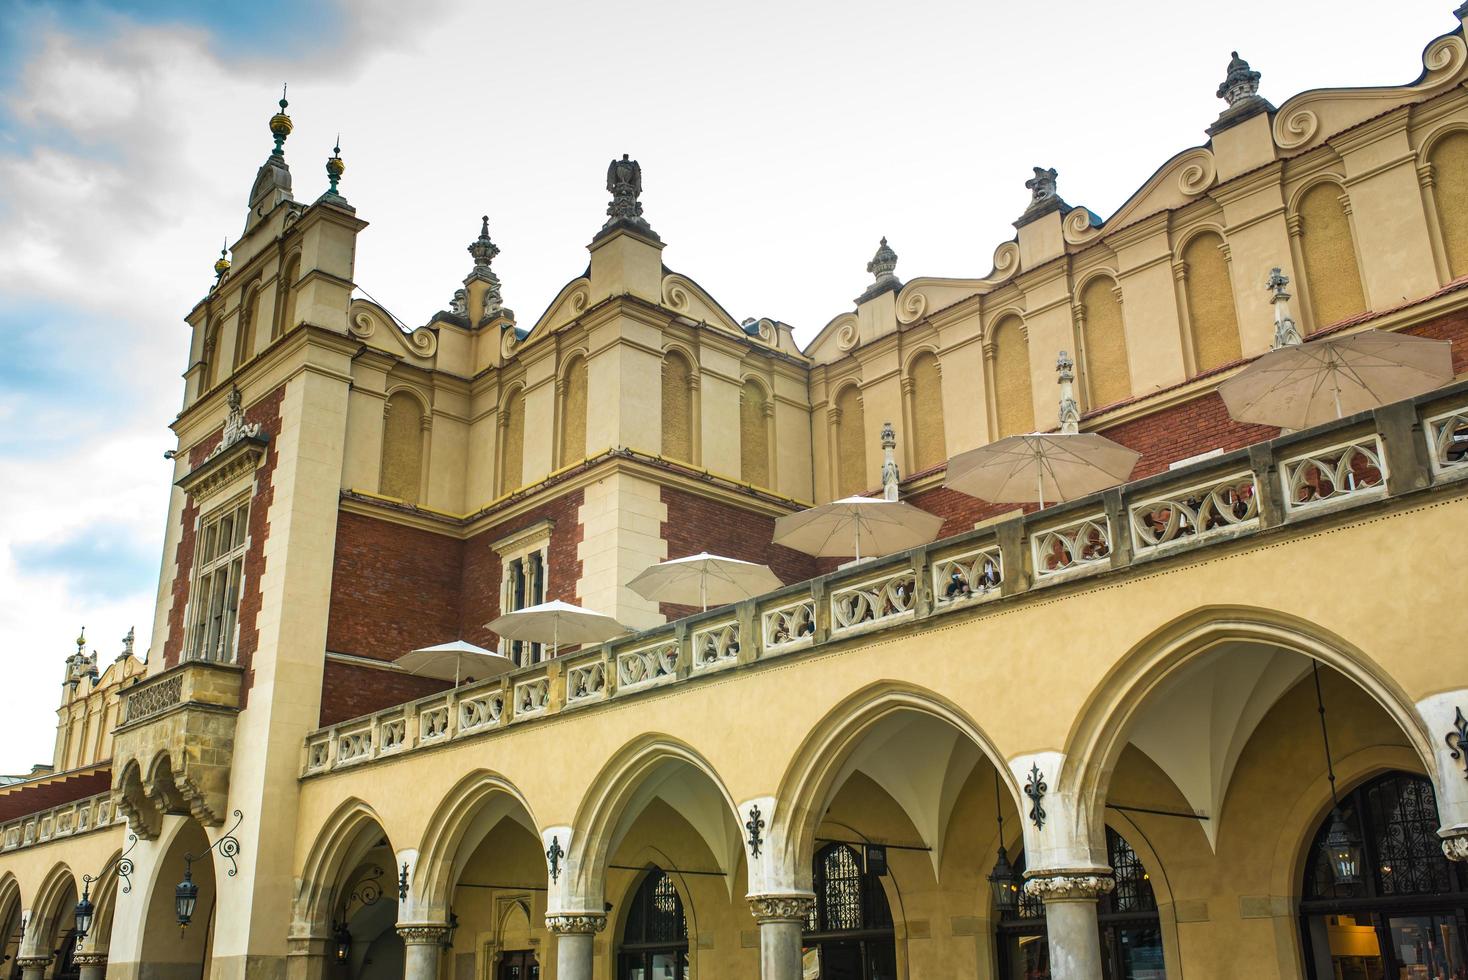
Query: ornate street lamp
367	892
448	934
343	941
1001	880
1341	854
186	893
85	910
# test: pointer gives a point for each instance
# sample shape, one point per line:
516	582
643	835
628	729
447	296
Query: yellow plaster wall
573	413
1449	159
1332	276
402	447
1013	397
1211	318
1108	376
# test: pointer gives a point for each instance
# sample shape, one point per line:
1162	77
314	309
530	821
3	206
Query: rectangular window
214	596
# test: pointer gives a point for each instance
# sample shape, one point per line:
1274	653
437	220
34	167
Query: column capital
781	908
89	959
1455	843
576	923
33	962
422	933
1069	884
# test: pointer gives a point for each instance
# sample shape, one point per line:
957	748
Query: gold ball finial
221	264
280	125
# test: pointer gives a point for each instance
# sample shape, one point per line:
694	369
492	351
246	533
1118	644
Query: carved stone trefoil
624	183
1240	89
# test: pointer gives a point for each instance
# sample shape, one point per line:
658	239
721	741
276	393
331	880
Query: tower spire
273	179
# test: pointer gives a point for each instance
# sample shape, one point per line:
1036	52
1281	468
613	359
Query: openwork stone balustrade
1358	463
66	820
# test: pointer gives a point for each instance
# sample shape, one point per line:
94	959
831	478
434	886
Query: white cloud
779	141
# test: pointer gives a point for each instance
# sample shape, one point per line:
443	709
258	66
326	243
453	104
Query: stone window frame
232	563
525	551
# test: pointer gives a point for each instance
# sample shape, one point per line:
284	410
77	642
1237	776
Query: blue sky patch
99	562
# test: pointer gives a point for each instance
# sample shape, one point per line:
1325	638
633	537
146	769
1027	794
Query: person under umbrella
1305	383
1040	466
702	578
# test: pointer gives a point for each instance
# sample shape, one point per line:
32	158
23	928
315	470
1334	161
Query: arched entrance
168	950
654	942
849	935
1131	933
1405	914
348	895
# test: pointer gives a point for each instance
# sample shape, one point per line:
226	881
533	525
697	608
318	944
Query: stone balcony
173	749
1336	473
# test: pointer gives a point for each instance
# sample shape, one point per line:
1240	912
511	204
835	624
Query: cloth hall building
1132	746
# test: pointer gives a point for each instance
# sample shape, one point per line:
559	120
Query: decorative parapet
66	820
175	746
1081	545
1327	476
874	602
1170	517
1198	510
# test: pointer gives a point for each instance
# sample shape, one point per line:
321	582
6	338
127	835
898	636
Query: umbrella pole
703	589
1040	487
858	539
458	666
555	637
1336	391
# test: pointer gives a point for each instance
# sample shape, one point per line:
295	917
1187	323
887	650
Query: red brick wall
393	588
265	412
1452	327
359	690
696	523
481	577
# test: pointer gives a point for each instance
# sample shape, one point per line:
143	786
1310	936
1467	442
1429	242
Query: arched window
1131	936
1014	404
1405	916
285	291
678	418
754	435
1104	365
1213	324
1449	159
573	413
512	441
244	338
929	446
402	448
1329	253
849	931
851	443
655	939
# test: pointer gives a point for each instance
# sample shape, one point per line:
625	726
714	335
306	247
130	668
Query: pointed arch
404	432
573	408
642	769
820	763
1014	401
468	813
679	424
1328	254
1105	371
352	830
50	908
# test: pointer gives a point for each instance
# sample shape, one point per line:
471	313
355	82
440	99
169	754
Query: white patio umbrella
704	577
447	661
1040	466
1301	385
870	526
549	621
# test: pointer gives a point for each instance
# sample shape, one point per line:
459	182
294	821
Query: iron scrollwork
1035	790
1457	740
228	846
124	865
403	883
553	855
754	825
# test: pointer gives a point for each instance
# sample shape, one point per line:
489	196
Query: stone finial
127	643
890	476
281	126
335	167
624	183
883	269
1043	196
1070	409
1286	334
1462	12
79	665
1240	89
484	250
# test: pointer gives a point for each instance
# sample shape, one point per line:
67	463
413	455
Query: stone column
1070	919
574	933
421	946
33	967
93	966
306	957
781	921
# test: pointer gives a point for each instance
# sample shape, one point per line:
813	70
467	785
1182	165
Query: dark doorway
518	964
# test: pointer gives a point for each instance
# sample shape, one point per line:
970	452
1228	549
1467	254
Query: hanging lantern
1341	853
1003	883
343	940
84	913
448	934
185	897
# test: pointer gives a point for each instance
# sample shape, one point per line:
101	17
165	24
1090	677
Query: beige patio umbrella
448	661
702	578
1301	385
549	621
870	526
1041	466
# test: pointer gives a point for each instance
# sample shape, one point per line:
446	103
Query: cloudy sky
778	141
